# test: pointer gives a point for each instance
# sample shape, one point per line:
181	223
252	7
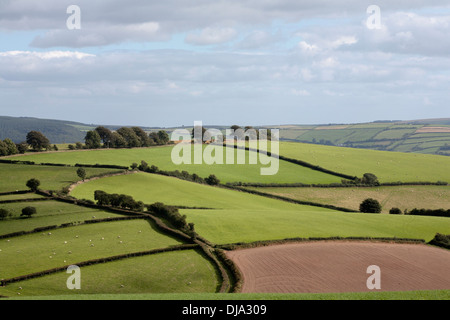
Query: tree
28	212
197	136
370	206
117	141
154	138
105	135
93	140
143	166
4	214
395	211
238	132
37	140
370	179
81	172
33	184
212	180
10	146
142	135
163	137
22	147
78	146
3	149
130	137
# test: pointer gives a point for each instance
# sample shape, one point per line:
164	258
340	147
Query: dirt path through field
321	267
76	184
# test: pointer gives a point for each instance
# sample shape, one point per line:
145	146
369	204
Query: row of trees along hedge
422	212
34	139
429	212
26	212
122	201
161	210
246	133
124	137
441	240
144	166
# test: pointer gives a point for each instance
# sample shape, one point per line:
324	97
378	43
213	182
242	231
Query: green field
220	215
403	197
184	272
49	213
72	245
161	157
387	166
15	176
242	217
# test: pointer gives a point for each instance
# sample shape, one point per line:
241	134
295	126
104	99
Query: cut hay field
403	197
161	157
241	217
386	165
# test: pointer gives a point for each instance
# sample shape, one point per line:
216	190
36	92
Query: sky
248	62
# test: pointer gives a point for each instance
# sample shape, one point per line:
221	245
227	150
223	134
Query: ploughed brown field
333	267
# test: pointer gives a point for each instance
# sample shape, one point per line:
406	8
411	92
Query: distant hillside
430	136
419	136
55	130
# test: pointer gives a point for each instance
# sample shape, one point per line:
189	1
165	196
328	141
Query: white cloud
211	35
309	49
47	55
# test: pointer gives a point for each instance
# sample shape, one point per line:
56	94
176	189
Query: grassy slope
49	213
387	166
161	157
244	217
42	251
170	272
403	197
14	176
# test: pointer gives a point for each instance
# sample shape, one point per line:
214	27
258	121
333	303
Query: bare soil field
341	266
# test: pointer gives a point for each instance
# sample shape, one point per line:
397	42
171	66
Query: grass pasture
387	166
221	216
15	176
185	272
161	157
403	197
42	251
49	213
240	217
